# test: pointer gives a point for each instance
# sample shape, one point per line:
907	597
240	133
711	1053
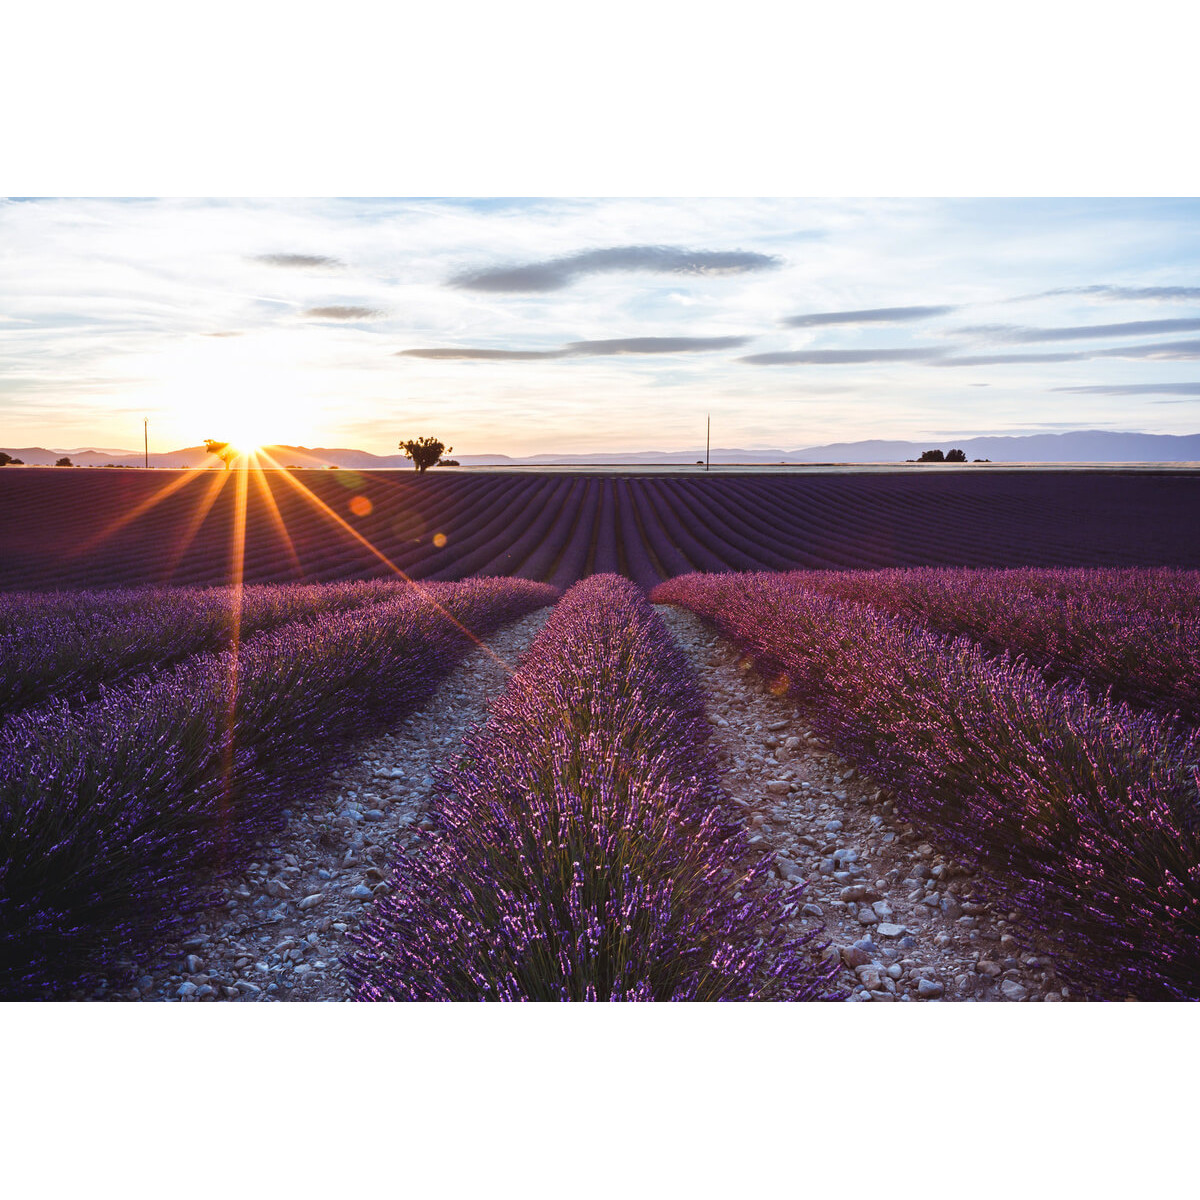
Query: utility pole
707	440
146	440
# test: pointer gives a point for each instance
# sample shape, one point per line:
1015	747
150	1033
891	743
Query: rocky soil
281	930
898	915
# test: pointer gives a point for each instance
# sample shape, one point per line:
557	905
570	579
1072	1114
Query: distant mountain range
1090	445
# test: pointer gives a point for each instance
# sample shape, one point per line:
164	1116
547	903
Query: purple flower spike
1084	812
585	849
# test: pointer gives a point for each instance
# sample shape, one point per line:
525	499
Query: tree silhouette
63	462
931	456
425	452
223	450
5	459
956	456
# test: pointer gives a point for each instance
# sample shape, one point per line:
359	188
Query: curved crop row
585	849
110	528
108	811
66	644
1086	813
1134	631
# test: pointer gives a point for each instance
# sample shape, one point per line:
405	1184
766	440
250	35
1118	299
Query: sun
249	413
244	395
247	433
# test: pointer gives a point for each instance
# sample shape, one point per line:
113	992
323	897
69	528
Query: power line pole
707	439
146	440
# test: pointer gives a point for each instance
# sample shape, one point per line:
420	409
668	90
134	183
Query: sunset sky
531	326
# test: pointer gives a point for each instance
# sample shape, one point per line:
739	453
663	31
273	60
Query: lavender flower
1085	812
111	812
1134	631
584	847
68	644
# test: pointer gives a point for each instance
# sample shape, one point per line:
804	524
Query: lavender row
1135	631
584	848
65	644
108	811
1085	812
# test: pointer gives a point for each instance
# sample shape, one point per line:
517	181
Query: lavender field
87	529
703	774
112	809
1083	811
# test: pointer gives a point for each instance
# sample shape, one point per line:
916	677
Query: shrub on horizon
424	452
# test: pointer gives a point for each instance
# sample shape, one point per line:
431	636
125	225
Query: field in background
69	529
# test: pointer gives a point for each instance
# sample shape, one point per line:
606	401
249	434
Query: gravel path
281	930
895	911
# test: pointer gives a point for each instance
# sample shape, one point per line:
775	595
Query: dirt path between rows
281	930
895	911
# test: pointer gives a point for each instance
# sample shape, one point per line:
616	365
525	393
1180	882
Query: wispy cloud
992	360
480	353
1109	292
785	357
298	262
937	357
867	316
1168	351
223	333
607	346
343	312
657	345
552	274
1134	389
1062	333
1165	351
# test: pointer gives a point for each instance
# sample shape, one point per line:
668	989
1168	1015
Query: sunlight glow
277	520
138	510
197	519
237	568
254	463
247	392
321	506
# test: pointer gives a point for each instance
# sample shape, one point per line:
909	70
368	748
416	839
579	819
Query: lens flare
253	465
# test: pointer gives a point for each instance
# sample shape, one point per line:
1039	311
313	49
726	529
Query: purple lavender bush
1085	813
66	644
584	848
109	811
1134	631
